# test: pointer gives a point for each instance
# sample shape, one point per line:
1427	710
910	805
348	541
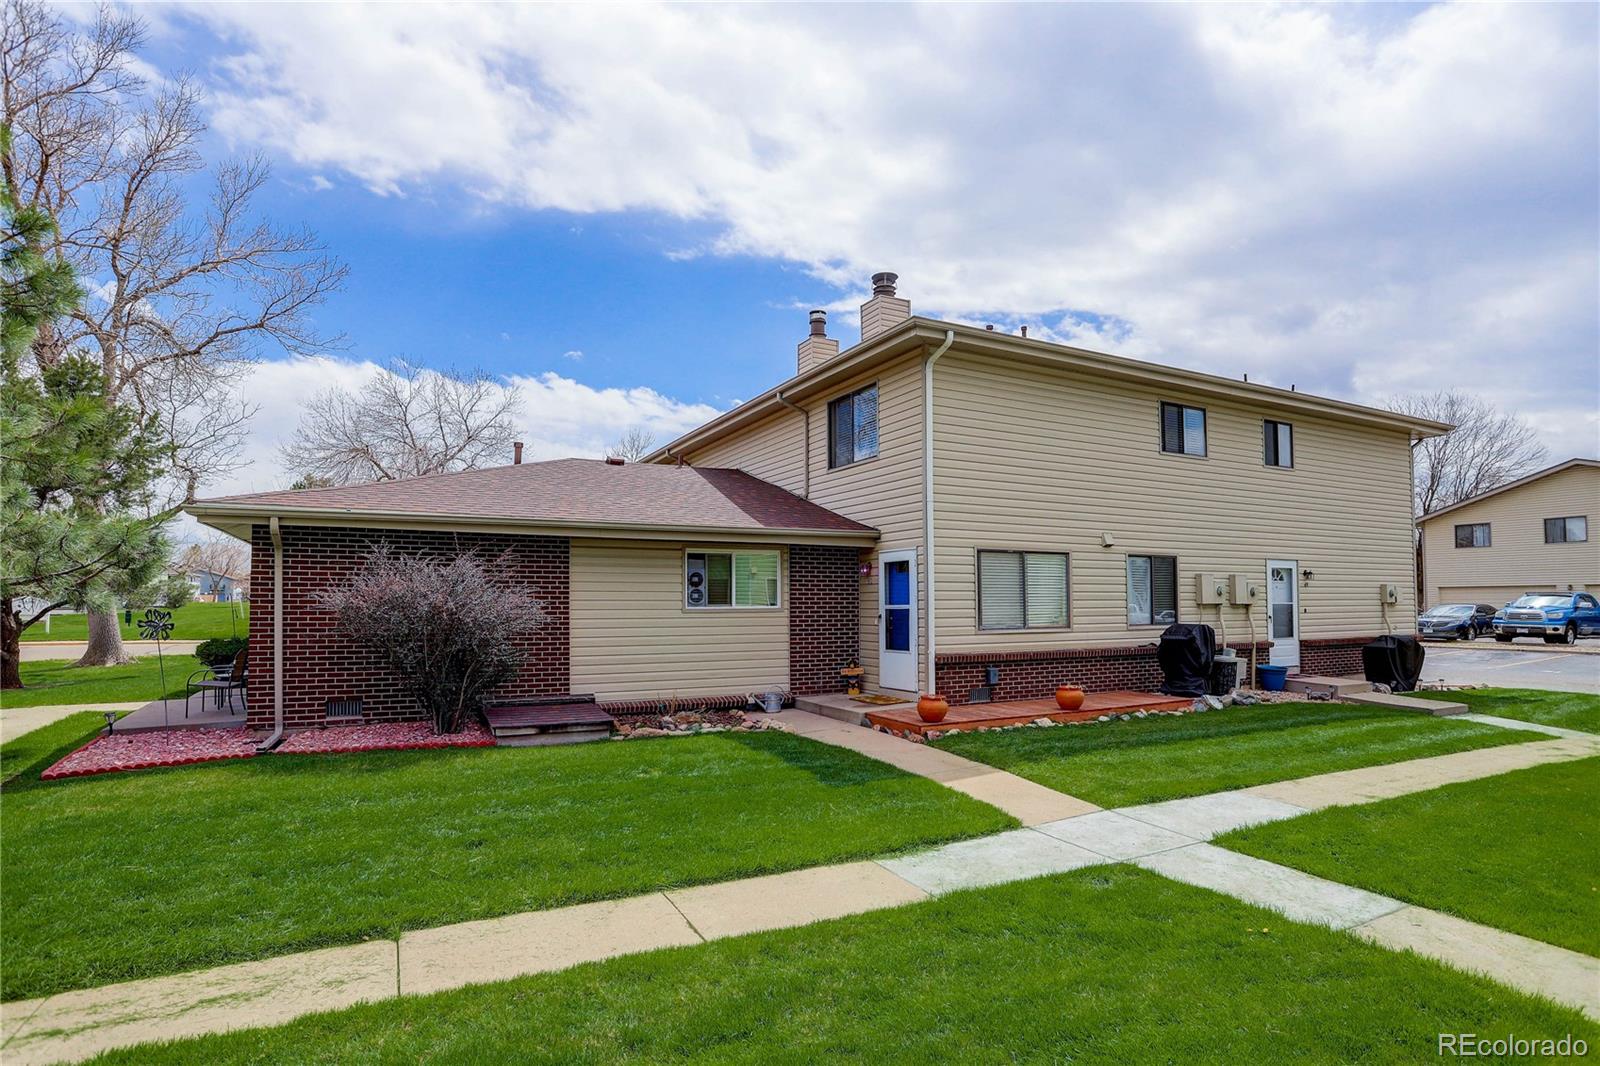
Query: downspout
806	459
927	496
277	637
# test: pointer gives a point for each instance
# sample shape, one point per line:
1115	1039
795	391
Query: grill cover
1393	660
1185	655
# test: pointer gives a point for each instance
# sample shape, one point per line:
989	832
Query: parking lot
1575	669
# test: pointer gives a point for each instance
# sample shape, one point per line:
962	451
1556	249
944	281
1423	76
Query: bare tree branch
1488	448
633	445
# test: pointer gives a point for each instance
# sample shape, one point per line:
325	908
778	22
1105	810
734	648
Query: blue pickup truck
1558	617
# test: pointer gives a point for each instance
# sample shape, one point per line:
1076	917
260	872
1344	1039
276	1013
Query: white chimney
819	347
885	310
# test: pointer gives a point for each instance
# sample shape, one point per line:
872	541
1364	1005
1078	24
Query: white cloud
575	355
1357	200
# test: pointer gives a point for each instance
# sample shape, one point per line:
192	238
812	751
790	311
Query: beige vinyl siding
633	638
1036	458
884	492
1517	557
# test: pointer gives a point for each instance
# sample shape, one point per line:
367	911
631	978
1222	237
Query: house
1076	504
1531	535
211	586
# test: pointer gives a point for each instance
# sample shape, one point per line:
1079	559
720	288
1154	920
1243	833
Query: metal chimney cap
883	283
819	323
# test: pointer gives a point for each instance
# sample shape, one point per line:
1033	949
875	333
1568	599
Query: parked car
1558	617
1455	621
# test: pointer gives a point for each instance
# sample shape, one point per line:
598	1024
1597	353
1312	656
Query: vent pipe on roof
615	460
817	348
884	310
516	453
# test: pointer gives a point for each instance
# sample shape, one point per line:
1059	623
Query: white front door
897	620
1283	612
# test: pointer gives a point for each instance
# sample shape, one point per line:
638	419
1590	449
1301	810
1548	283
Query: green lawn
1520	851
49	682
39	749
1107	965
192	621
1144	760
128	875
1567	710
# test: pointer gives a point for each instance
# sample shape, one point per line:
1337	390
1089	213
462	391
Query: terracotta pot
931	708
1069	697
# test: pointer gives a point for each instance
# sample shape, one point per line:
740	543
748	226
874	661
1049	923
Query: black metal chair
223	680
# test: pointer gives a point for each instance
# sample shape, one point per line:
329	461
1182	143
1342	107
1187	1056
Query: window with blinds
731	579
853	427
1277	443
1152	590
1023	590
1183	429
1572	530
1474	535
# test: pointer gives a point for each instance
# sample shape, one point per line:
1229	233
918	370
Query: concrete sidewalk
38	650
18	721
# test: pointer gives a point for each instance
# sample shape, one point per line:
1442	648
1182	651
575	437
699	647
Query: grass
47	682
130	875
192	621
1107	965
1566	710
1145	760
38	749
1520	851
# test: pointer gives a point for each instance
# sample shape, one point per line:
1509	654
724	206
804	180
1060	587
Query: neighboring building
1532	535
213	587
1076	498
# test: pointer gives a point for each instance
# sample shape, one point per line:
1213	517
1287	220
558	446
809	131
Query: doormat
878	699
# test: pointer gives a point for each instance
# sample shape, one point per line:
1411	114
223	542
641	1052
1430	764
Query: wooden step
542	722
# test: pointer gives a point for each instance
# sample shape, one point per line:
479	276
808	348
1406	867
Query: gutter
277	638
806	457
927	496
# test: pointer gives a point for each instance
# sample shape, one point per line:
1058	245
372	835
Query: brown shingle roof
573	491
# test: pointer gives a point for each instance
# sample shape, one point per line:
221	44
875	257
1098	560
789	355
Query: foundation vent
344	709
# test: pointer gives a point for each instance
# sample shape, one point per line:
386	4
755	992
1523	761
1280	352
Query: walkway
1170	838
16	721
36	650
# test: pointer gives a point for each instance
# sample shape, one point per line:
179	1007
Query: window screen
1475	535
1183	429
1022	590
1278	443
1566	530
731	579
853	427
1152	590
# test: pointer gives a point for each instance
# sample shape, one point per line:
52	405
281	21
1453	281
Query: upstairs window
1183	429
1572	530
1152	590
1022	590
853	427
731	579
1475	535
1278	442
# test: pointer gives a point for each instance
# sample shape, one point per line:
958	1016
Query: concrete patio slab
1203	817
1531	965
1115	835
993	860
1439	708
1027	801
1292	893
1532	727
76	1025
500	948
1373	783
782	901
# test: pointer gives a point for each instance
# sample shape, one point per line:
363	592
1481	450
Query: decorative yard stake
156	625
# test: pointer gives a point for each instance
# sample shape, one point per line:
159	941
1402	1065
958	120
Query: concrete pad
76	1025
1530	965
1371	783
798	898
805	723
1114	835
1292	893
1397	702
500	948
1203	817
1532	727
991	860
1027	801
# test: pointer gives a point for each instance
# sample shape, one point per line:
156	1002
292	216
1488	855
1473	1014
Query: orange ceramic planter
932	708
1069	697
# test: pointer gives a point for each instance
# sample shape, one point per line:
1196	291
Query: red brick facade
320	665
1332	656
824	616
1029	675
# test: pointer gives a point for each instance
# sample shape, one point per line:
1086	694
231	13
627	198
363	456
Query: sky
627	211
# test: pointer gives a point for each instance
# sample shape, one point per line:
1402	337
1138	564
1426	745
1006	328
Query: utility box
1210	589
1242	590
1389	594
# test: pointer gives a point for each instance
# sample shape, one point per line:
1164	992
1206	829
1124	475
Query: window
1022	590
1278	441
1566	530
1473	536
1183	429
1152	590
853	427
731	579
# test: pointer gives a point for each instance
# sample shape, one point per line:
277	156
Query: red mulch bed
382	736
162	747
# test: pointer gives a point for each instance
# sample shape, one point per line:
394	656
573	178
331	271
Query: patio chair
224	681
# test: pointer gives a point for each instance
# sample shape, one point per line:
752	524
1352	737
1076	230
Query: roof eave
1527	479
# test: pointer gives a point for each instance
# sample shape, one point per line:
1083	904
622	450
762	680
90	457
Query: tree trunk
105	641
10	645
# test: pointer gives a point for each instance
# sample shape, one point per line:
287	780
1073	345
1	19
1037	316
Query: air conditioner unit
694	592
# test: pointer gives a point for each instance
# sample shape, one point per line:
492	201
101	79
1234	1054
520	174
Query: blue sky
1359	200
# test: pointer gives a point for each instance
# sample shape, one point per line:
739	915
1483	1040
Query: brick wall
824	616
1028	675
1332	656
319	664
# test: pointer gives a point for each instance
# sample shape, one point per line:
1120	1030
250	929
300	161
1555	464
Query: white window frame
733	579
977	562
